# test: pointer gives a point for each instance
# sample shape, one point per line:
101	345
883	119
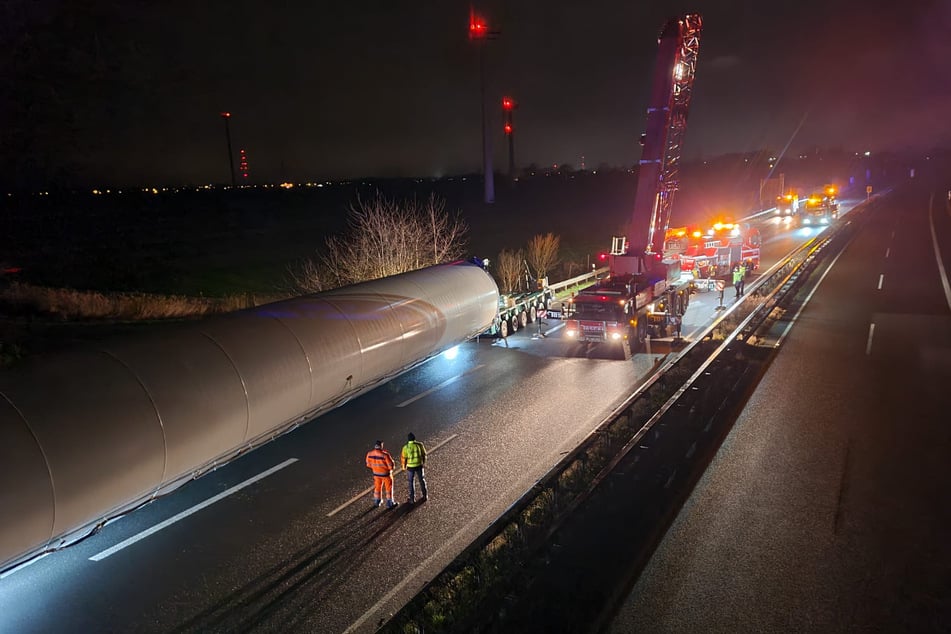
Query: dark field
216	243
219	242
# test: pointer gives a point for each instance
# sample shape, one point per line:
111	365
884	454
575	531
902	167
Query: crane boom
658	174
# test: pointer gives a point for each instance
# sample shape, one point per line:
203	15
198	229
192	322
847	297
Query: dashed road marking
175	518
871	333
436	388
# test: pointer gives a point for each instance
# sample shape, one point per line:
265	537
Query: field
220	247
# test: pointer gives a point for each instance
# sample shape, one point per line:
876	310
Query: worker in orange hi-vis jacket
380	462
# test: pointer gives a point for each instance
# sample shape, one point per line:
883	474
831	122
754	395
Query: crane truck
643	293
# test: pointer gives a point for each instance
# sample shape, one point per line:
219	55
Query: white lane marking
448	381
362	494
881	280
175	518
555	329
937	254
795	318
22	566
871	333
887	251
480	520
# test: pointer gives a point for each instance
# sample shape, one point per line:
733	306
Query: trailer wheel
503	328
531	313
523	319
513	324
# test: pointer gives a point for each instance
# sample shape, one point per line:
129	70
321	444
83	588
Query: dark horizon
754	161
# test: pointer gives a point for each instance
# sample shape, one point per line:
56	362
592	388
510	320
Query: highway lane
509	420
268	557
826	507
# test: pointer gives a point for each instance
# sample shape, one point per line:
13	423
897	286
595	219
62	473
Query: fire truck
820	209
643	294
718	249
787	205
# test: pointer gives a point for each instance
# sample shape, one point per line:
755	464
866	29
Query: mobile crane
626	306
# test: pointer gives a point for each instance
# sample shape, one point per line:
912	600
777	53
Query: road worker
380	462
413	459
742	277
737	281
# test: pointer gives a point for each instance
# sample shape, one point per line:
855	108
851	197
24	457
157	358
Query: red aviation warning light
478	29
507	103
508	128
243	164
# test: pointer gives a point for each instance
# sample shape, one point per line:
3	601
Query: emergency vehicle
644	293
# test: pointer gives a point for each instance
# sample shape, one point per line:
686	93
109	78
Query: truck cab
820	210
787	205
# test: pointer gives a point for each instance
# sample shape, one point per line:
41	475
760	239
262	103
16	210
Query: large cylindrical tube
93	433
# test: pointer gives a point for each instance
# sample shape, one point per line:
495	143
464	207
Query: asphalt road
284	539
826	509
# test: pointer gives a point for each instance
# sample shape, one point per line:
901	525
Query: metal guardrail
579	280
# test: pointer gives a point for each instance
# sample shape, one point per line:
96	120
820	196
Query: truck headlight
615	335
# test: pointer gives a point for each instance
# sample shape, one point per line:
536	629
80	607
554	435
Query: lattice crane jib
658	173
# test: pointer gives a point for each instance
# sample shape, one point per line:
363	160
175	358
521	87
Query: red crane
657	179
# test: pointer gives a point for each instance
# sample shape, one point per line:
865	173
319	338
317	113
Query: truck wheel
523	319
513	324
531	313
503	328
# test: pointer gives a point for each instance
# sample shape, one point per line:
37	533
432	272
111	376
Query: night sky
129	92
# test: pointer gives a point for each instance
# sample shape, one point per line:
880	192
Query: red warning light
508	128
478	29
226	115
507	103
603	257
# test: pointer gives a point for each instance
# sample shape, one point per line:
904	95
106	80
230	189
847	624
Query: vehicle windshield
599	311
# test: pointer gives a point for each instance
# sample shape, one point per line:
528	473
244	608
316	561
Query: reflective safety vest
737	276
380	462
413	455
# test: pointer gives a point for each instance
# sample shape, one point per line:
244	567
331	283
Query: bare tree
509	270
384	237
543	253
571	266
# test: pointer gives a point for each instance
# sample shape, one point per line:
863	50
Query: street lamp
227	117
479	33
